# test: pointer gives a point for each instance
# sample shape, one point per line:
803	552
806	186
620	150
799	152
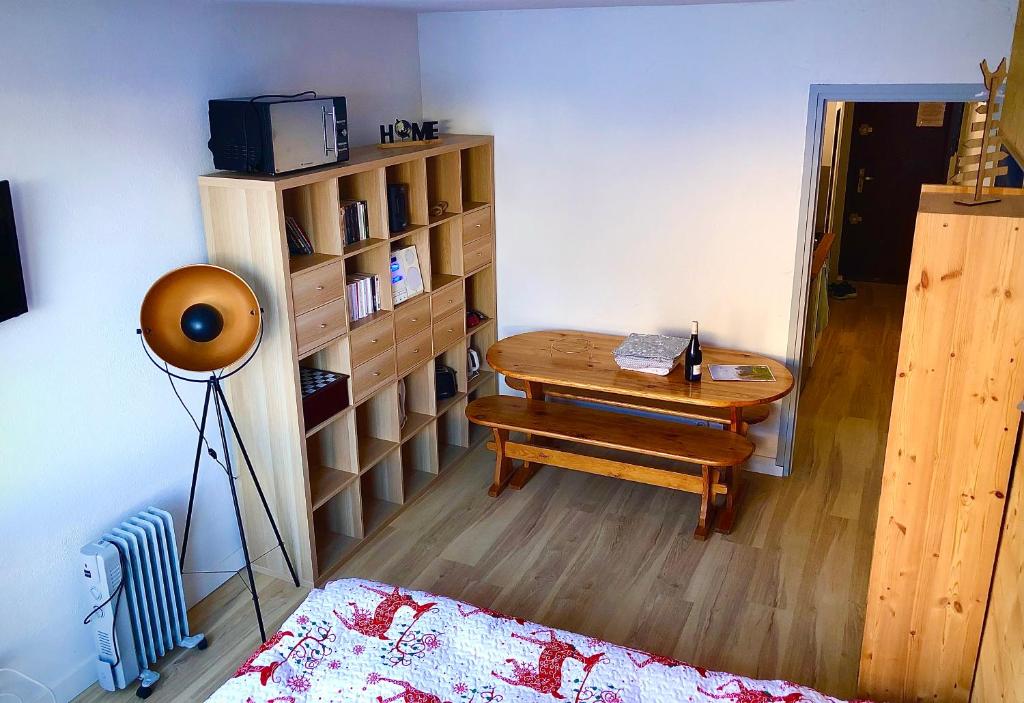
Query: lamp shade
200	318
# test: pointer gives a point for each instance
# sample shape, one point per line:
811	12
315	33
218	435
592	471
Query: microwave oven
275	135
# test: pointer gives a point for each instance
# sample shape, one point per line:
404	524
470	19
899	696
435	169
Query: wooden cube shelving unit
333	486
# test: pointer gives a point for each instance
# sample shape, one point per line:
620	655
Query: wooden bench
715	451
719	416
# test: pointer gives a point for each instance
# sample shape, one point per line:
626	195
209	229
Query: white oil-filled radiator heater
133	580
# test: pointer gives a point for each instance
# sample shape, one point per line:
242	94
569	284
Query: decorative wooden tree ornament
975	168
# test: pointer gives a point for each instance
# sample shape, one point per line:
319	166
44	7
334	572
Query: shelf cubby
338	527
481	342
414	175
446	249
377	426
420	239
444	181
452	432
355	470
374	261
419	461
480	292
420	400
315	207
381	490
477	175
455	357
368	186
331	453
332	357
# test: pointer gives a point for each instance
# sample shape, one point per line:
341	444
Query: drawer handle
450	330
413	320
376	373
416	350
373	341
451	300
478	226
323	325
319	287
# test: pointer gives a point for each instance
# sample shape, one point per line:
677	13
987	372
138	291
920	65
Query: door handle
861	179
329	132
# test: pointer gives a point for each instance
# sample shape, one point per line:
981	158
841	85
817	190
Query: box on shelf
324	395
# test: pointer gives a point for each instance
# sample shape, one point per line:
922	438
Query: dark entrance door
890	158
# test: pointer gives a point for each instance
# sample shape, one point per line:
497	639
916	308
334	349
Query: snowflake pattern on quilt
359	641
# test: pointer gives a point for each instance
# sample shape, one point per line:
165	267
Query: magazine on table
741	372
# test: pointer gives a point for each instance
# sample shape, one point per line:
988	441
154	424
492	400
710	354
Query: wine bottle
693	357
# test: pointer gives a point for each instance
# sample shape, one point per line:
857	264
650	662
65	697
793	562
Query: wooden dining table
585	361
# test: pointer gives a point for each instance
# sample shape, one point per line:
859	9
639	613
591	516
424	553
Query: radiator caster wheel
203	644
144	691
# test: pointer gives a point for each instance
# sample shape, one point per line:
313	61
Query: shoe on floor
842	290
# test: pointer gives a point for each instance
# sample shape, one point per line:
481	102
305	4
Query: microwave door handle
329	132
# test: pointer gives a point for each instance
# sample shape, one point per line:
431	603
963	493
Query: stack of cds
650	353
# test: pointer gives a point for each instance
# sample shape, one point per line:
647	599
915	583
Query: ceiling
477	5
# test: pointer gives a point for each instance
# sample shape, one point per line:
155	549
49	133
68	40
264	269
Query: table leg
736	420
725	517
534	391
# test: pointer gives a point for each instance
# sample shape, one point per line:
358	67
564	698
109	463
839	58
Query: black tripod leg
238	517
256	481
195	477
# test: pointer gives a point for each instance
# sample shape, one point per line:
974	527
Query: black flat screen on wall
12	282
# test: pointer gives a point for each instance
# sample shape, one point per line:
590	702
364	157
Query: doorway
894	148
815	190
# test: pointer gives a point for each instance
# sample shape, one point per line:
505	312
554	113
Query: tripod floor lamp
206	320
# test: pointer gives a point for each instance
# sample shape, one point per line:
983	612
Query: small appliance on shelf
446	382
275	134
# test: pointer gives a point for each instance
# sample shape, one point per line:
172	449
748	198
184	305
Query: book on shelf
363	290
355	222
298	242
406	278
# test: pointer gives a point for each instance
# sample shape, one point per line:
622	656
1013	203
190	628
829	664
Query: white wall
102	132
649	160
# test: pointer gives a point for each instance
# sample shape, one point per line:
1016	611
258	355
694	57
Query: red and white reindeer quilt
359	641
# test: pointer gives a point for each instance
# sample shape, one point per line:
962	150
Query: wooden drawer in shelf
414	351
476	253
476	224
373	375
311	289
449	329
320	325
372	340
447	299
412	317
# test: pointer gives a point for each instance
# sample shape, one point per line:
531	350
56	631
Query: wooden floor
782	597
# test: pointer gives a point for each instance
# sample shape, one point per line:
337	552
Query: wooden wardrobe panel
1012	121
949	451
1000	675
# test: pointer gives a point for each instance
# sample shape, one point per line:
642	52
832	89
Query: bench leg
502	464
726	518
534	391
704	519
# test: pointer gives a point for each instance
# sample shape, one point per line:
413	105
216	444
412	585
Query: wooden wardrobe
948	554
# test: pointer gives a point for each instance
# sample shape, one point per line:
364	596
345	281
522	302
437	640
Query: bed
357	641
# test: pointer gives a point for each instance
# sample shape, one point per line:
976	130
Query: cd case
740	372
